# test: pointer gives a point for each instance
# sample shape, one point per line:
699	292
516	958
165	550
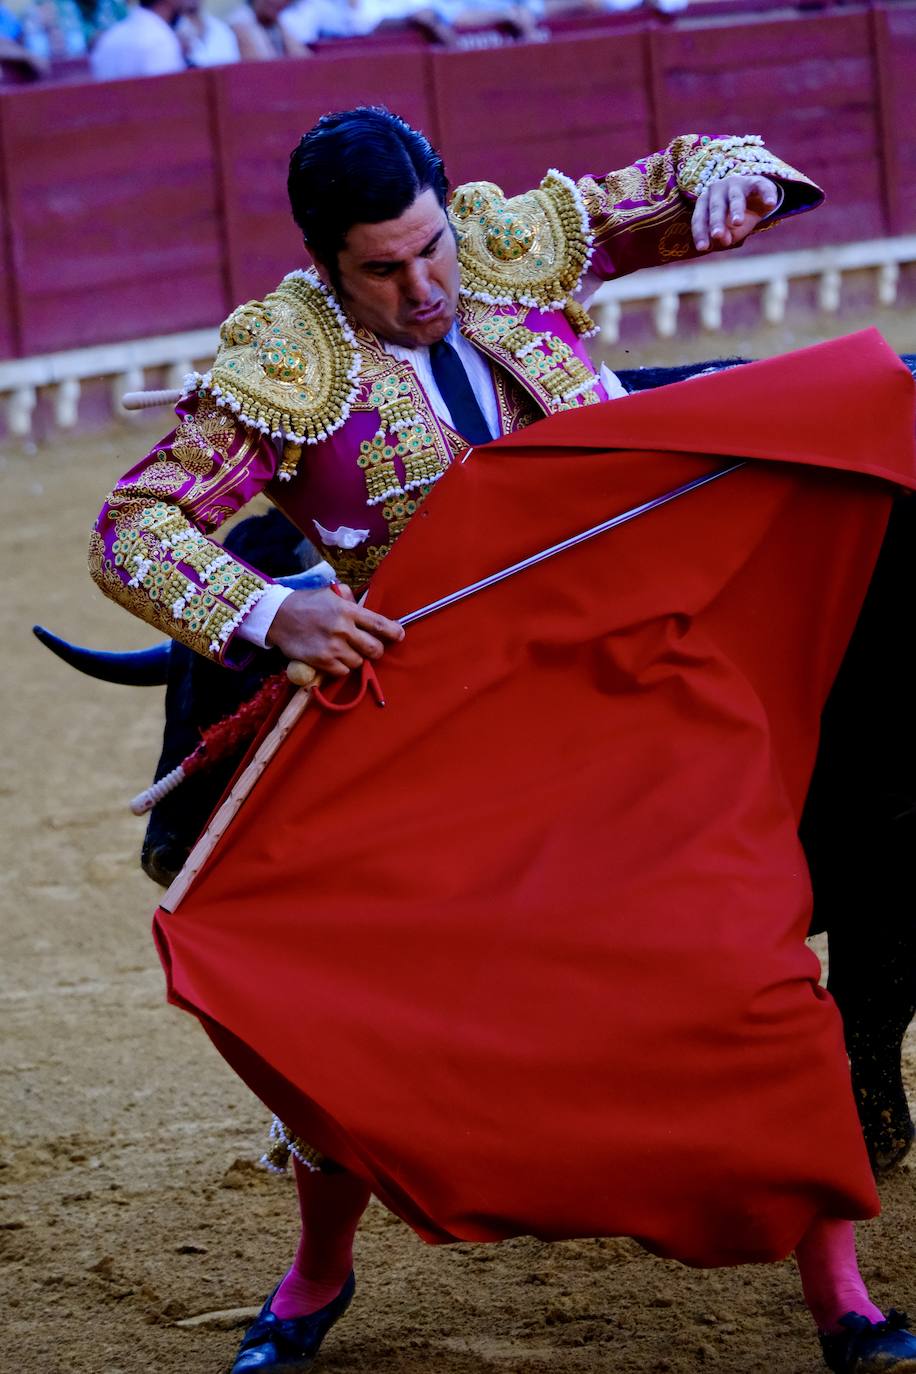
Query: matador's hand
730	209
329	631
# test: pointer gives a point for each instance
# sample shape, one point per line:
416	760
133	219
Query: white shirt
368	14
214	47
143	44
307	20
475	365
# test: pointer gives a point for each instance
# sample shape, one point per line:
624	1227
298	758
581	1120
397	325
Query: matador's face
400	278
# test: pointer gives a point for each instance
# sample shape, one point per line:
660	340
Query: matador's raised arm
640	216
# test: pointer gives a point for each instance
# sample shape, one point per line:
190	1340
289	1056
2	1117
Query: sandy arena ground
134	1222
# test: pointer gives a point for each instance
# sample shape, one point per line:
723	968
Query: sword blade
622	519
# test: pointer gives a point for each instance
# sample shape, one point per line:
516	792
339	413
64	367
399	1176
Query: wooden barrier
261	112
577	103
895	52
9	309
808	84
113	211
136	208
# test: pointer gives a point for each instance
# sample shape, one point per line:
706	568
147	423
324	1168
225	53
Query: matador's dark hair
359	166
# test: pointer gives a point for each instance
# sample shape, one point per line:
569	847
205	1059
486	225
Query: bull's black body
859	834
858	828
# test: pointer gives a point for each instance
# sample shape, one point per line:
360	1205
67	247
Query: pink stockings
331	1206
830	1277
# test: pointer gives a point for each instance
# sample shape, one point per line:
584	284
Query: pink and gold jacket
305	405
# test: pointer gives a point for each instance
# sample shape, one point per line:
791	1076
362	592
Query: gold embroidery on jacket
408	430
517	408
202	437
165	570
355	568
547	365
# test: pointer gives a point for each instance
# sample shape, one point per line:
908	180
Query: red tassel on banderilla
231	734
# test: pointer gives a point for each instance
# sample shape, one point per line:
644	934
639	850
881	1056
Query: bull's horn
139	668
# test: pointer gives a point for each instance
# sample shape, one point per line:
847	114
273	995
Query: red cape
526	948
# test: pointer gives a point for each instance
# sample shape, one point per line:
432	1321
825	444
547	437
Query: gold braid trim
551	370
168	573
281	1144
715	158
287	366
530	250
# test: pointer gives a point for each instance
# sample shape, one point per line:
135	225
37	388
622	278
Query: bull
858	828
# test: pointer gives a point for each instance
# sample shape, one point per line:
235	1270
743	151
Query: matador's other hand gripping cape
526	948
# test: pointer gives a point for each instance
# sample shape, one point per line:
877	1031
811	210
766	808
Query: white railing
124	364
661	288
709	278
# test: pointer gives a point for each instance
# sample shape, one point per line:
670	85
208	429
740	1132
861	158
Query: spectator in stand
62	30
206	40
442	21
558	7
143	44
308	20
262	32
11	48
520	18
10	28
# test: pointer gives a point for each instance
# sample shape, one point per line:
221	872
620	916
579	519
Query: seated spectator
520	19
143	44
369	15
206	41
23	63
554	8
58	30
262	33
308	20
10	28
442	21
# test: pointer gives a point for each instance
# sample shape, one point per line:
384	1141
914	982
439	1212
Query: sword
533	559
306	677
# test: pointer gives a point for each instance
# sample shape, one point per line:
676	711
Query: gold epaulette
287	366
531	249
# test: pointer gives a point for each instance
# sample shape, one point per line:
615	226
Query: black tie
458	394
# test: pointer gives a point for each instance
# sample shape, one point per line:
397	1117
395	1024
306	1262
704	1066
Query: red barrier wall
808	84
115	223
580	104
262	111
9	307
895	45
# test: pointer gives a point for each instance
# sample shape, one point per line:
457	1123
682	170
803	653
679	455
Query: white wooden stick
151	796
145	400
223	817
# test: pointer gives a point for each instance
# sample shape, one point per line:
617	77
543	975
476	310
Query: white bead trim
231	625
203	382
278	1132
385	496
424	481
